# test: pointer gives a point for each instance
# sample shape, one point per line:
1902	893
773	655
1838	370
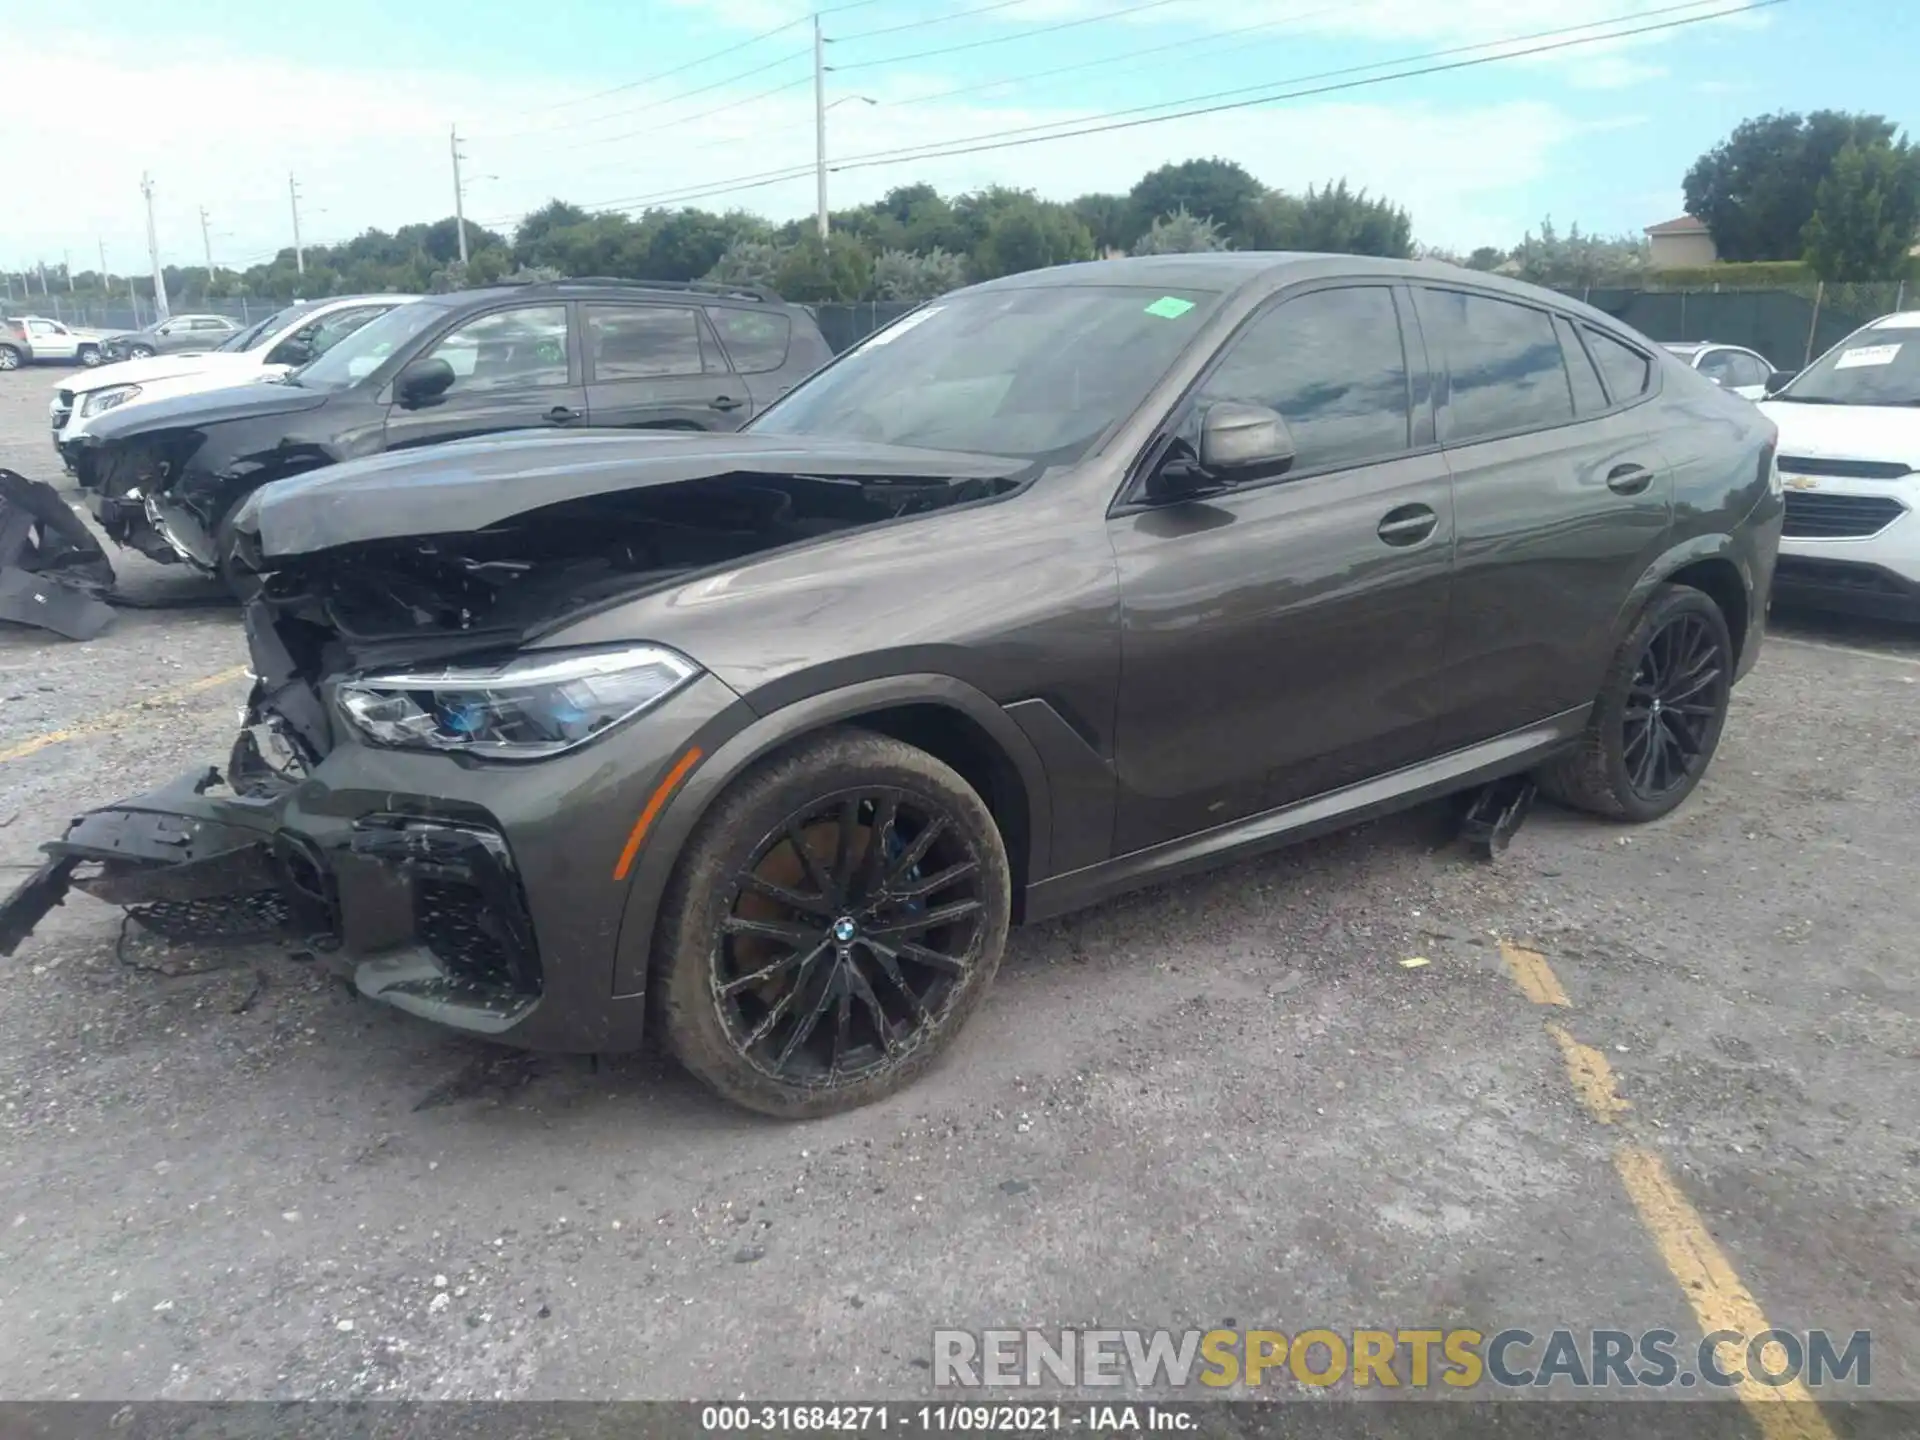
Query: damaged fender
52	570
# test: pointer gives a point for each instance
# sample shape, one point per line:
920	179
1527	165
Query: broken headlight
101	401
527	708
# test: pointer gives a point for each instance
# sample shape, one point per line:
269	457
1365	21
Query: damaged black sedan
1067	582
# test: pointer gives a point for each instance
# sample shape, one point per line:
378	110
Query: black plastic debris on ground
52	571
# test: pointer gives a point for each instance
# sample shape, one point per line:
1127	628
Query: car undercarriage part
1495	811
53	573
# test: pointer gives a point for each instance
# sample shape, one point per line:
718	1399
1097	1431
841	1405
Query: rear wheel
836	918
140	352
1659	715
89	356
11	358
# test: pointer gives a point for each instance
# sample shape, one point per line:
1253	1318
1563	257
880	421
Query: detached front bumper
484	898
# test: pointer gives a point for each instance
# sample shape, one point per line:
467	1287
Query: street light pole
299	255
459	196
820	128
206	243
160	308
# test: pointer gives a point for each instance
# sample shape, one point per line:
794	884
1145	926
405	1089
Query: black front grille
1792	571
1814	516
65	397
1844	469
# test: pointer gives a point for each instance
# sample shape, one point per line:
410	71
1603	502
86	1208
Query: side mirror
424	381
1240	441
1779	380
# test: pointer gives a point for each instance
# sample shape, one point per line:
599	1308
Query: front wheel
10	358
1659	714
89	356
140	352
835	919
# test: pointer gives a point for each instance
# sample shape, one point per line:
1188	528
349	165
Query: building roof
1685	225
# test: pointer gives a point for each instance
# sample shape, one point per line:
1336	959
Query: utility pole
820	127
459	196
66	261
160	309
299	255
43	279
206	243
103	262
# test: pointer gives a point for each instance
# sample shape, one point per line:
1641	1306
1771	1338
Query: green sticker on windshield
1169	307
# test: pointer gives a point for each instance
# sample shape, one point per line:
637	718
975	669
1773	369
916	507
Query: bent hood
160	367
469	485
1847	432
213	407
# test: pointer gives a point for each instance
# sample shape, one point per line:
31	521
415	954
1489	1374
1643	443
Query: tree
1180	234
749	262
900	276
1866	213
1108	218
1029	235
840	270
1576	259
1486	257
1757	189
1216	190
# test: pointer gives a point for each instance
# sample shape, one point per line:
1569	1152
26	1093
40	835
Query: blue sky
221	100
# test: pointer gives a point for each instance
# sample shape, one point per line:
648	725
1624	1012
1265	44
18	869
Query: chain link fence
127	312
1790	325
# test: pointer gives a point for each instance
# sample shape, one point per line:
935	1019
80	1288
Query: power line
931	20
912	152
1008	39
1113	120
701	115
652	104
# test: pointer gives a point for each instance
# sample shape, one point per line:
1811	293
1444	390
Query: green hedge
1750	275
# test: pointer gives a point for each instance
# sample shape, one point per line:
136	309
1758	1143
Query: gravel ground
1216	1103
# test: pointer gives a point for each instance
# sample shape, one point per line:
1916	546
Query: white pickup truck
263	351
54	342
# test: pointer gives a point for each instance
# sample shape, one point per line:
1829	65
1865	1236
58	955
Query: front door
513	369
1560	507
657	367
51	341
1283	639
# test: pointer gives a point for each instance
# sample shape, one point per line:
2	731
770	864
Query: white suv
262	351
1850	462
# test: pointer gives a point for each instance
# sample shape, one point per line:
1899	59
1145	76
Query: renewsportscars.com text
1391	1359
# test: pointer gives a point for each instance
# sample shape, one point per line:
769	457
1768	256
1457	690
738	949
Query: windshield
1879	365
1035	373
244	339
359	354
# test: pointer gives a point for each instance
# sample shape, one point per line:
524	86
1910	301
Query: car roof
613	286
1899	320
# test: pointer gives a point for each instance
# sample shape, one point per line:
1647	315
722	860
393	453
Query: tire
1659	715
11	358
88	356
139	352
728	920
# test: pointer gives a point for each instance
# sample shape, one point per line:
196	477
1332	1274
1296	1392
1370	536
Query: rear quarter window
1628	373
755	340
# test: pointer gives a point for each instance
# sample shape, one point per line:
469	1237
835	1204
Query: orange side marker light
655	803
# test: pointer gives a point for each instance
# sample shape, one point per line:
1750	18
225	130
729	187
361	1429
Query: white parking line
1910	661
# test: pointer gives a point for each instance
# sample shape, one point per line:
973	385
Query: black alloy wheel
852	926
834	920
1658	717
1674	706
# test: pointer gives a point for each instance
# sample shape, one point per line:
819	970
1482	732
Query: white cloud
371	150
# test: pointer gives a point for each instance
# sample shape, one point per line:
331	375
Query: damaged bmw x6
1062	583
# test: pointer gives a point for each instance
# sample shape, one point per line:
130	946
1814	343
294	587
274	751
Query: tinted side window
1748	369
1332	363
1627	372
1588	396
1503	364
507	349
756	340
636	342
1717	365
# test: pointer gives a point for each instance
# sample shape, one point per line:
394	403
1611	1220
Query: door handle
1407	525
1629	479
725	402
562	415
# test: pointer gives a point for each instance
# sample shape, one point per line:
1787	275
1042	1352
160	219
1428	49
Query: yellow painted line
1591	1075
1719	1300
120	719
1533	975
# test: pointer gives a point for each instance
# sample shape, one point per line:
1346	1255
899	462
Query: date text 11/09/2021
938	1419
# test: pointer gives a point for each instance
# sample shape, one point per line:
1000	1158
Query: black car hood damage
472	485
244	401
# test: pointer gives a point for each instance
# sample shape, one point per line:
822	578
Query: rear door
513	369
759	345
658	367
1559	508
50	341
